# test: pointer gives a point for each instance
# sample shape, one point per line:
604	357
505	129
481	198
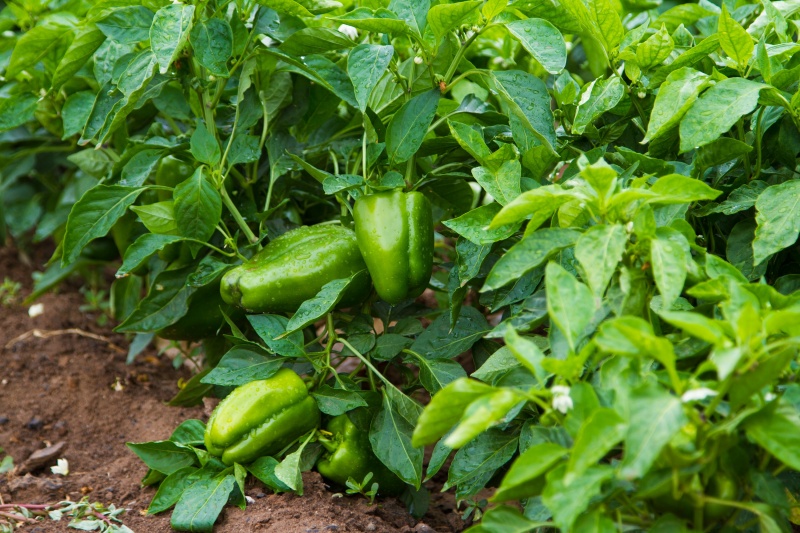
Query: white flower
350	31
266	41
561	400
250	499
418	60
695	395
770	396
35	310
62	468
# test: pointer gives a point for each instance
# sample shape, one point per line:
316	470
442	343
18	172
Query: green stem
460	55
367	363
740	131
759	133
237	216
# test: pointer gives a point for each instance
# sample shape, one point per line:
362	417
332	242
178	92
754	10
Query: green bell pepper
261	418
293	268
171	172
349	455
395	234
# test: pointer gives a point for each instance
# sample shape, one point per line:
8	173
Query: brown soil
62	388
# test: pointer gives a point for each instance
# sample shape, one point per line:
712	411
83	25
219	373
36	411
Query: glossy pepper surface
349	455
395	234
261	418
294	267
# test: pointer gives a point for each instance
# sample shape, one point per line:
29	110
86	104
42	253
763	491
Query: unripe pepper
294	267
171	172
261	418
395	234
350	456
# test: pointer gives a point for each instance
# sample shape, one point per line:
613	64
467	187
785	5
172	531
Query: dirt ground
75	389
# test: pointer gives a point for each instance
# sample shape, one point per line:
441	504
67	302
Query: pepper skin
350	456
395	234
261	418
293	268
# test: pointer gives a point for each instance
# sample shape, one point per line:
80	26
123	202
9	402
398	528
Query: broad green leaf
414	12
35	45
733	39
289	471
287	7
527	353
165	304
596	98
17	110
205	147
263	468
539	204
599	250
696	325
492	8
444	18
680	189
570	303
391	438
334	402
78	54
531	252
170	32
687	59
654	50
503	183
270	327
139	167
531	465
543	41
655	417
198	207
241	365
446	408
201	504
435	374
472	225
506	519
171	490
317	40
675	96
321	304
777	430
75	112
481	414
568	500
599	434
470	140
141	249
212	43
366	64
378	21
778	218
669	253
717	110
189	432
606	19
441	340
477	462
158	218
163	456
409	125
127	25
93	216
528	103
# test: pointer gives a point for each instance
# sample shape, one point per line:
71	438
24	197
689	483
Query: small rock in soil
42	457
3	420
423	528
35	424
371	526
260	495
332	527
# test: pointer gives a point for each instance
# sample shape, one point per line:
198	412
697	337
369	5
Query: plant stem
237	216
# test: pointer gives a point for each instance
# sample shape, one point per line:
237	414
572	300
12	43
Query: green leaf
654	50
77	55
158	218
212	43
366	64
609	29
205	147
17	110
202	503
506	519
486	411
531	252
198	207
264	469
777	430
289	470
542	40
503	183
675	97
596	98
599	434
287	7
539	204
669	253
75	112
93	216
471	141
444	18
164	456
409	125
414	12
569	303
334	402
165	304
717	110
446	408
241	365
170	32
567	500
127	25
472	225
679	189
189	432
141	249
309	41
733	39
531	465
171	490
326	299
778	218
378	21
33	46
440	341
270	327
477	462
599	250
244	149
528	104
696	325
655	417
390	436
